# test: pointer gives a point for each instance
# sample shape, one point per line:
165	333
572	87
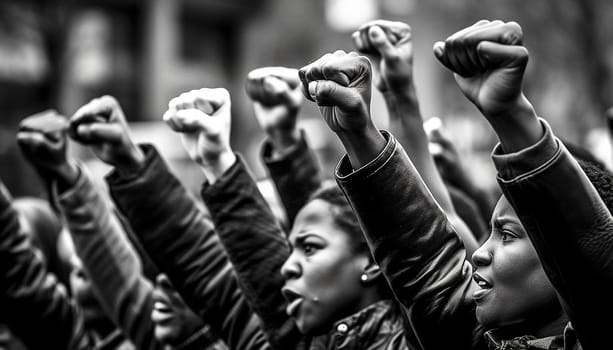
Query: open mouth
294	300
484	286
161	313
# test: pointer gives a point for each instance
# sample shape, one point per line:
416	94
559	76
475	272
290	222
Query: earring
364	277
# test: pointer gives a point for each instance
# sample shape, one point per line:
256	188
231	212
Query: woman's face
322	273
511	285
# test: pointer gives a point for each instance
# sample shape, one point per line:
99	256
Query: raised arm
101	244
168	222
569	225
390	48
252	238
292	165
34	306
409	235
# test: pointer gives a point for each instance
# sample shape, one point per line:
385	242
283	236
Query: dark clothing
570	228
295	175
182	242
113	265
34	306
423	260
418	250
257	247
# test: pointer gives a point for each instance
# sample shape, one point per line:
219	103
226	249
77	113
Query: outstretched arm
555	201
390	48
166	219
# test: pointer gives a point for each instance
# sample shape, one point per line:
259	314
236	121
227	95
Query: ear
371	270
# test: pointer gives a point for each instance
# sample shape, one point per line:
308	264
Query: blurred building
61	53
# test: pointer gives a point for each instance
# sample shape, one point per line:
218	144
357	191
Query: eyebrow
302	236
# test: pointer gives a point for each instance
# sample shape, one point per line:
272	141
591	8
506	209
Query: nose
291	268
482	256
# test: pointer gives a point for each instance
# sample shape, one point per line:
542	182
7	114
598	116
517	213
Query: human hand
101	124
43	140
203	117
276	96
389	46
488	62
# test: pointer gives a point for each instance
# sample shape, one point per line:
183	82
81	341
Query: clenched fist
389	46
43	140
101	124
277	97
340	85
203	118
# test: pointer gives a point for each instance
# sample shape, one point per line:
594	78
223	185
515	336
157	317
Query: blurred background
60	54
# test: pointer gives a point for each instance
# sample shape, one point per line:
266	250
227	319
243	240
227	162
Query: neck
540	328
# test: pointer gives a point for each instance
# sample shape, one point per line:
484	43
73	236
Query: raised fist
276	96
102	125
43	140
388	45
489	63
203	118
340	85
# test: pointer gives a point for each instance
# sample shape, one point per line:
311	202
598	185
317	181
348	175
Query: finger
509	33
359	44
305	83
219	98
184	101
99	133
288	75
203	105
48	122
184	120
30	139
381	43
101	107
279	90
499	55
329	93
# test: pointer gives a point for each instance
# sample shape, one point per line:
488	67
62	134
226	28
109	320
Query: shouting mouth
294	300
484	287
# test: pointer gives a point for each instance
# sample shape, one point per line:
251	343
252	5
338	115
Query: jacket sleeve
420	254
34	306
182	242
295	175
110	261
570	227
256	246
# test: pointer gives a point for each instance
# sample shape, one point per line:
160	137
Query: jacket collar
380	319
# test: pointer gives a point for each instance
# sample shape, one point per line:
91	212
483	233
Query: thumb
329	93
99	133
380	42
501	56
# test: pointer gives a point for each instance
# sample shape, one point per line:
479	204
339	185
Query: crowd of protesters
399	248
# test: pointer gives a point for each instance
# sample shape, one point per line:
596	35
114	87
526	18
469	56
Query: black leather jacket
182	242
571	229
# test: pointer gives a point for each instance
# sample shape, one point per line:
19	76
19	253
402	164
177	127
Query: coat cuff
344	171
515	166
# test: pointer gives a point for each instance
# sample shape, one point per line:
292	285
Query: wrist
133	162
362	145
214	167
518	126
282	140
404	100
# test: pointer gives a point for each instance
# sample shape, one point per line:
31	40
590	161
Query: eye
506	235
309	248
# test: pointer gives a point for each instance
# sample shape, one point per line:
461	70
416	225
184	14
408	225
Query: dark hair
342	213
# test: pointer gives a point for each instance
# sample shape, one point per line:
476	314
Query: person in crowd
329	288
169	224
418	250
107	272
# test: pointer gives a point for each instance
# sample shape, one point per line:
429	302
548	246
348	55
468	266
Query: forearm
182	242
295	173
411	239
406	123
256	246
31	300
110	261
